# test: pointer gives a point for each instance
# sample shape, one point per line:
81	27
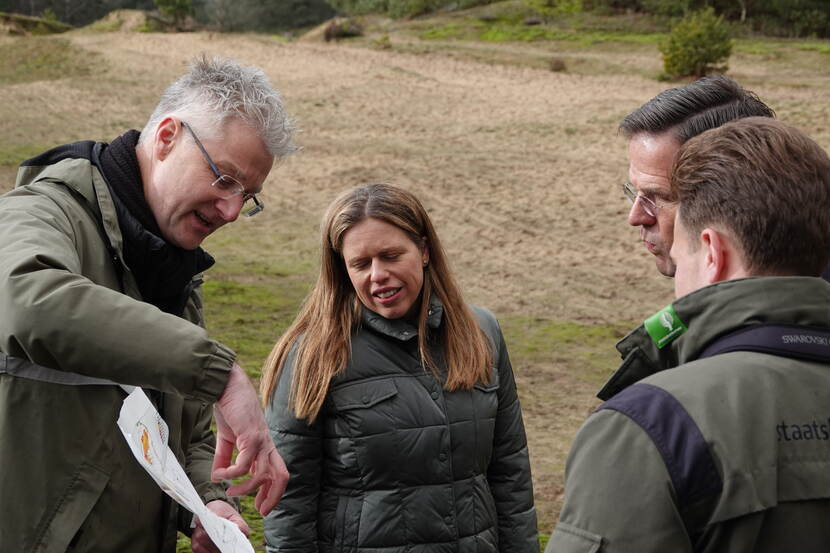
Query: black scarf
163	271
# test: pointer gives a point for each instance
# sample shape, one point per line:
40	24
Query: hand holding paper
146	433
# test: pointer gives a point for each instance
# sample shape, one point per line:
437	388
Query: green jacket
69	480
730	453
396	463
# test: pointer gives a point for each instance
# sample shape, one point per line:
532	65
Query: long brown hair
332	311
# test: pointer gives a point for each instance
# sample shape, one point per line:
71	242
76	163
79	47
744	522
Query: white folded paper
146	433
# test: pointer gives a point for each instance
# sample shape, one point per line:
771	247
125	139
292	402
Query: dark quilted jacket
395	463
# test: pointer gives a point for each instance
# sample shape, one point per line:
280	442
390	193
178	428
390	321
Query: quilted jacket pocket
363	395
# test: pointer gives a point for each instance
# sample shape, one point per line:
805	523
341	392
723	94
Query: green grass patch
586	347
29	59
519	33
501	31
627	38
755	47
448	31
250	317
823	48
12	156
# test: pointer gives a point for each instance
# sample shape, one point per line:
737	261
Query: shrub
557	65
178	10
342	27
382	42
699	44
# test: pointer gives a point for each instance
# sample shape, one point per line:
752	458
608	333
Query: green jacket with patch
69	304
730	453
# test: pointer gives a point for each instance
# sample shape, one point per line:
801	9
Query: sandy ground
520	168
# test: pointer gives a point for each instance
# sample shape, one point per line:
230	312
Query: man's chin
665	267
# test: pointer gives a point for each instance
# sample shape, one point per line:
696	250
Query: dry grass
519	166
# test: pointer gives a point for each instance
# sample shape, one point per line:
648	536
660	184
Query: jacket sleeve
55	316
618	493
509	472
292	526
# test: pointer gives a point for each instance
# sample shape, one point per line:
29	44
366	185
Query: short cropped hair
694	108
766	184
217	89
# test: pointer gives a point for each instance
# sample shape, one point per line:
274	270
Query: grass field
519	166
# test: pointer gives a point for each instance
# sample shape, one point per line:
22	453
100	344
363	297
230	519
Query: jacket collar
78	167
402	329
713	311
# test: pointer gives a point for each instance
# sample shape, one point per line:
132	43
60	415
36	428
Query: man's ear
164	137
719	255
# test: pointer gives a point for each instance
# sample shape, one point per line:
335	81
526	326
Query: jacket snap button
365	399
434	395
442	457
448	520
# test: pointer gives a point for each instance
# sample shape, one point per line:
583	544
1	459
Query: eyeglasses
226	186
648	205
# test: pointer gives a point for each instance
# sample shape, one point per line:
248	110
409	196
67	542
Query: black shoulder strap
799	342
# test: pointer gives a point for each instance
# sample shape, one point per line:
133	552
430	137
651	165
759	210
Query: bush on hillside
342	27
178	10
699	44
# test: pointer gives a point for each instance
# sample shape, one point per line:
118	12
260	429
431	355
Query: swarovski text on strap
795	341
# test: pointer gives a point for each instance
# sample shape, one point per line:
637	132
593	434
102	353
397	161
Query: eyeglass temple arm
204	152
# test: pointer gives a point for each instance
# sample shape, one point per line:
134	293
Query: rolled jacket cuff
215	375
214	492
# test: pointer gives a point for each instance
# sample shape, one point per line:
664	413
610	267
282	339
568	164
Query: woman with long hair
392	402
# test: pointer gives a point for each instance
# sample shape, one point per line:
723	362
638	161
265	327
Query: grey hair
217	89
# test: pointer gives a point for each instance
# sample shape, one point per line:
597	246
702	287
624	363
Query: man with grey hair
100	270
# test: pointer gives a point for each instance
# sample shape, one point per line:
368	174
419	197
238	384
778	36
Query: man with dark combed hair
656	130
715	432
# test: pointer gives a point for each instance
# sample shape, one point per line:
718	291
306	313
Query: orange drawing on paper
145	445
